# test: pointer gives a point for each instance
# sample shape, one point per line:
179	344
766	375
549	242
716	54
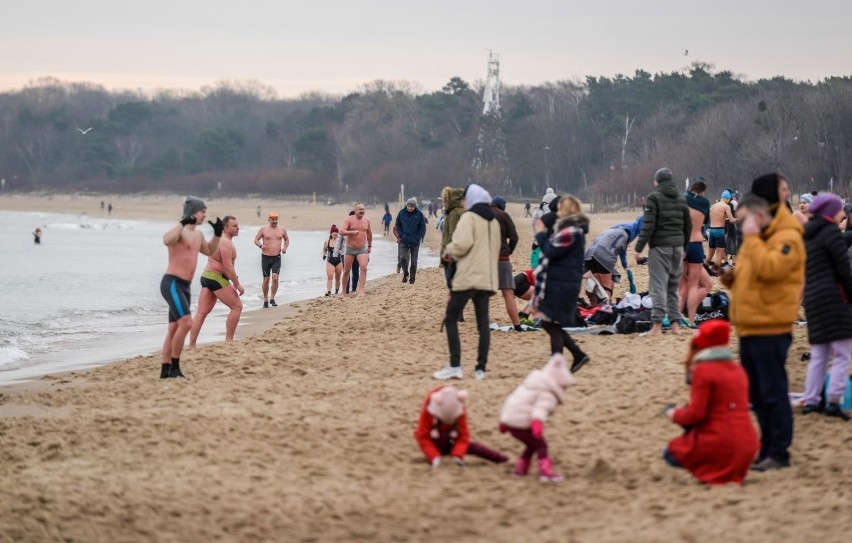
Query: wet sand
303	432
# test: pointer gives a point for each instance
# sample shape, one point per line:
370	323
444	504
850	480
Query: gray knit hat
192	205
663	174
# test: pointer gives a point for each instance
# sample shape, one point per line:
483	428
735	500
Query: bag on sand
714	306
633	322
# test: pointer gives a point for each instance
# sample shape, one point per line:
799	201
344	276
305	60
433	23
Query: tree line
601	136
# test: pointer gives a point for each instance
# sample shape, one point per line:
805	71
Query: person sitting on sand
720	442
442	429
527	409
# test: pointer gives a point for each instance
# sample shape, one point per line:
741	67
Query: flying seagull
84	132
686	52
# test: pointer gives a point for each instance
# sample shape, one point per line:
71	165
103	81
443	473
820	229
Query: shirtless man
719	212
215	284
359	243
269	239
184	243
696	282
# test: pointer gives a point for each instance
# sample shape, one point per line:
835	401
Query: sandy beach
302	431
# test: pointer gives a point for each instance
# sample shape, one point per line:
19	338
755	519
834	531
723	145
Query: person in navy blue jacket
410	228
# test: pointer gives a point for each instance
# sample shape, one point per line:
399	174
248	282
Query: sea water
90	292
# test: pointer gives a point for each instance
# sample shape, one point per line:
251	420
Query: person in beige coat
527	409
473	252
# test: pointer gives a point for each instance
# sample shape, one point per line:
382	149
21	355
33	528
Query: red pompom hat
713	333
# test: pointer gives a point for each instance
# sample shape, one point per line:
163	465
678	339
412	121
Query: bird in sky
84	132
686	52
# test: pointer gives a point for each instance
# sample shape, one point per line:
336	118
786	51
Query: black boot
833	410
164	371
175	369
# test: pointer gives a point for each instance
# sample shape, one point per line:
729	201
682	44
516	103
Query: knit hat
712	333
411	201
663	174
273	215
447	404
192	205
557	369
726	194
766	186
500	202
549	195
334	228
474	194
825	204
806	198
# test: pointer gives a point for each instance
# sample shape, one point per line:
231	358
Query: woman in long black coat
828	291
559	275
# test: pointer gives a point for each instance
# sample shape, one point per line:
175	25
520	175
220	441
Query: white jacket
539	395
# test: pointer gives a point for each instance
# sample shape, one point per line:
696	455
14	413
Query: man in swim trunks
696	282
719	212
184	243
359	243
270	239
219	281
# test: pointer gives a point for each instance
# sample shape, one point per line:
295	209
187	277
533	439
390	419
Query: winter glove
436	463
537	428
188	220
459	461
323	257
218	227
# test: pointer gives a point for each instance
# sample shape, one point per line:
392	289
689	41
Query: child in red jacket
720	442
442	429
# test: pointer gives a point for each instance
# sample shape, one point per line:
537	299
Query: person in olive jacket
828	290
666	231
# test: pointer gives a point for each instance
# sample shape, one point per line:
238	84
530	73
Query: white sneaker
479	375
449	372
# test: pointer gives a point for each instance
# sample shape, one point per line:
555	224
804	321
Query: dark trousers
560	339
763	358
445	442
454	310
533	444
354	275
408	257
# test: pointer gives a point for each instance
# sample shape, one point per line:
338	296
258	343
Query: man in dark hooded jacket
410	228
666	231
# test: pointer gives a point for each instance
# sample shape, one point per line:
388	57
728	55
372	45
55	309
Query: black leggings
560	339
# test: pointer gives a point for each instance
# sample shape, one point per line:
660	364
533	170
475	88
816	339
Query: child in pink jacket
527	409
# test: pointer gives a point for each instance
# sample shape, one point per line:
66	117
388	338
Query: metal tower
491	96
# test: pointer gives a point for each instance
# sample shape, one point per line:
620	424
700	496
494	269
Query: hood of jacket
668	189
632	228
454	199
539	380
474	194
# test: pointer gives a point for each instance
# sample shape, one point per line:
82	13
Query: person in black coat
559	276
828	290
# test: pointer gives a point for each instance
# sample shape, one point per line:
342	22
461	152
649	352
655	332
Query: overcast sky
336	45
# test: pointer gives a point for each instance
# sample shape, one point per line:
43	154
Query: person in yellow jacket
474	249
765	298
